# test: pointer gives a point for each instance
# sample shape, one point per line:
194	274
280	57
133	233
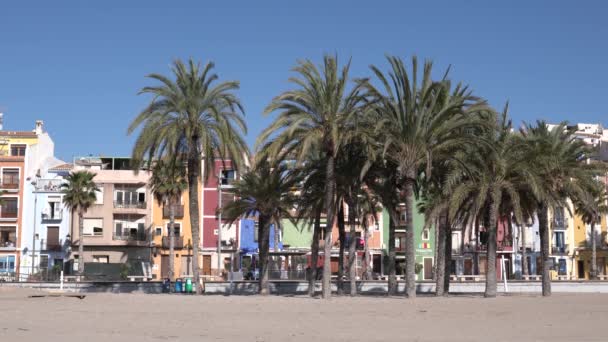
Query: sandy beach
140	317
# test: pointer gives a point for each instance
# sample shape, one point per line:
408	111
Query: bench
532	277
602	277
562	277
75	278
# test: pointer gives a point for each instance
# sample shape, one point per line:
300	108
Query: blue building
46	224
249	246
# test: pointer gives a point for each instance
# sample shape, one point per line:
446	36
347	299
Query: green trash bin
189	285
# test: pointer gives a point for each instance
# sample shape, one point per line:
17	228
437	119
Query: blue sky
79	66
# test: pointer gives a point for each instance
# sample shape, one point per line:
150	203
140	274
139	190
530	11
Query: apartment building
117	228
22	153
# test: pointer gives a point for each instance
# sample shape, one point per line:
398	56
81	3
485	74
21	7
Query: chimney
1	121
39	124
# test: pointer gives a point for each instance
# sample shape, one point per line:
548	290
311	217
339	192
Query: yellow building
182	237
582	240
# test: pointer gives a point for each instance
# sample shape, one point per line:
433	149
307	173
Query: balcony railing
10	185
127	236
560	224
51	217
179	211
559	249
178	242
124	205
8	214
49	185
50	245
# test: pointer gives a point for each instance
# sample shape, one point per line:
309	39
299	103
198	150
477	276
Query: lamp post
219	226
34	182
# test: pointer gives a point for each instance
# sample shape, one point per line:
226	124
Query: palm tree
486	184
591	206
168	182
265	191
195	118
558	160
417	122
80	194
313	116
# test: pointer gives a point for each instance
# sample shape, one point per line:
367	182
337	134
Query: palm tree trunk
448	257
80	243
352	249
314	257
392	276
171	240
342	239
593	274
368	256
524	251
440	258
330	183
277	229
264	251
491	256
194	167
410	256
543	228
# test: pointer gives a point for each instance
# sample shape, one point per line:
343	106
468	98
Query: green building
424	242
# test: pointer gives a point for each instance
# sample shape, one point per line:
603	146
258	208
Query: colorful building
582	248
117	228
424	244
21	155
182	239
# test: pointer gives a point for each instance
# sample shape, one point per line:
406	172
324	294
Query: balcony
10	185
178	242
560	224
130	235
559	249
48	185
52	217
179	211
8	214
126	205
51	246
8	238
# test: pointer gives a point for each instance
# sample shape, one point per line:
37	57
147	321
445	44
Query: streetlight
34	182
219	227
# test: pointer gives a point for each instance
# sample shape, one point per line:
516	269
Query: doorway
206	264
428	268
580	266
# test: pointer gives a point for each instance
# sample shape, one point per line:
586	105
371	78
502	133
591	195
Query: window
130	197
228	177
7	263
9	207
322	232
158	231
18	150
425	234
44	261
455	242
10	178
99	194
52	211
52	237
256	231
402	217
92	227
8	237
101	259
177	229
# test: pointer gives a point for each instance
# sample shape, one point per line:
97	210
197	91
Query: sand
141	317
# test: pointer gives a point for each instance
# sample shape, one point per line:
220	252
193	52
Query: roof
62	167
24	134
